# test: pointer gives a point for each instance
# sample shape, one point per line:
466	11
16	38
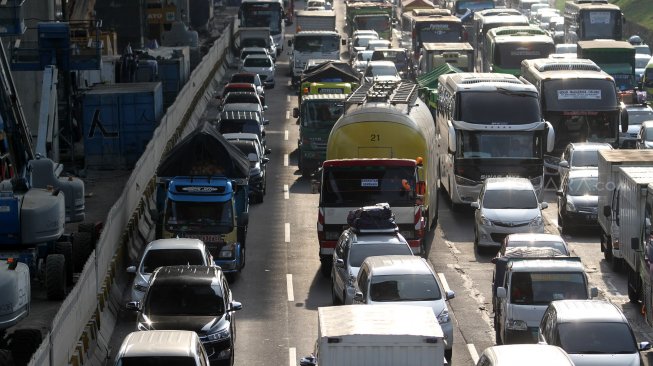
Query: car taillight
320	225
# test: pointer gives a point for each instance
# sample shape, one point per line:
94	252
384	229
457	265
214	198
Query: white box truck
315	20
609	162
629	221
370	335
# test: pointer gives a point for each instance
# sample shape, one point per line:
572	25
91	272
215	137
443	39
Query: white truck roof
392	320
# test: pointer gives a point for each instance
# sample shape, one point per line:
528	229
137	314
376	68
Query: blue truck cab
213	209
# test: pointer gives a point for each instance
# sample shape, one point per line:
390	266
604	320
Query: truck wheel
82	248
564	227
606	245
617	264
334	298
5	358
242	257
24	342
66	248
497	335
633	293
325	266
55	276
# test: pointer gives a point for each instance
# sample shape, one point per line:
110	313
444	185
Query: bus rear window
346	186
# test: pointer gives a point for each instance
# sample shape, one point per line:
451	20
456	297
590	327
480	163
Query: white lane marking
285	159
286	234
285	135
443	281
287	115
291	293
613	288
292	356
472	352
288	98
286	192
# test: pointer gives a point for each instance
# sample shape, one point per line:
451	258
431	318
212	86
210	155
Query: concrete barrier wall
82	327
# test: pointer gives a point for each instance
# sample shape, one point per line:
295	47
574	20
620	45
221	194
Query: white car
262	65
645	136
359	43
405	280
378	43
380	71
246	51
506	206
167	252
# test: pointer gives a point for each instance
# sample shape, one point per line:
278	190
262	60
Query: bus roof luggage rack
565	65
373	219
385	91
519	30
475	78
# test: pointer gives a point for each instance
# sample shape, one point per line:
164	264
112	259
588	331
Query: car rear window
171	257
257	62
358	253
509	199
404	287
157	361
184	299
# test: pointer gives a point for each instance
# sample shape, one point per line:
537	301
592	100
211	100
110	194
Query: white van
169	347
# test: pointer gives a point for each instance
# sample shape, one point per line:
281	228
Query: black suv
195	298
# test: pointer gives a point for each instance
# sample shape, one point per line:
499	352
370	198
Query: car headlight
142	287
569	206
536	221
443	317
516	325
485	221
464	181
227	251
219	335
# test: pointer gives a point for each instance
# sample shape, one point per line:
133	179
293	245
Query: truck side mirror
607	211
243	219
501	292
634	244
133	305
550	137
295	112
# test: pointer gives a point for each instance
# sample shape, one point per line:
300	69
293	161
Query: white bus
488	125
265	13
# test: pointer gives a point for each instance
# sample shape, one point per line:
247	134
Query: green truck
317	114
617	58
370	15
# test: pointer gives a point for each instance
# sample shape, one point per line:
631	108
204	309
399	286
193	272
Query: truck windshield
439	32
540	288
214	217
322	114
599	24
510	55
378	23
503	108
156	361
316	43
479	144
359	185
596	338
404	287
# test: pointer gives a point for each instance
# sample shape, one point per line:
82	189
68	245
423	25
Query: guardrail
82	327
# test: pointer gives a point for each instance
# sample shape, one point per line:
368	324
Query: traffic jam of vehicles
410	115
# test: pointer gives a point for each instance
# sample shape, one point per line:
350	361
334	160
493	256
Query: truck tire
55	277
497	335
325	266
606	246
66	248
82	248
24	342
5	358
633	286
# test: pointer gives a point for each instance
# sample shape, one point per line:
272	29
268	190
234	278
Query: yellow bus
386	120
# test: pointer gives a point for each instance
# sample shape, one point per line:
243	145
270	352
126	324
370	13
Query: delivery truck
609	162
361	335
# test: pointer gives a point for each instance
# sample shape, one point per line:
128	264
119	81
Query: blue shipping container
119	120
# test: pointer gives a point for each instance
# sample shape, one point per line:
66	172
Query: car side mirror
501	292
309	360
358	297
133	305
243	219
450	295
564	164
607	211
494	260
265	160
594	292
475	205
266	122
295	112
265	108
131	269
235	306
268	151
559	193
634	244
544	205
340	263
644	346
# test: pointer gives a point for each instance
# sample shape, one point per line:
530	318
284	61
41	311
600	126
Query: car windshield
257	62
242	78
596	338
557	245
362	41
585	186
637	117
381	70
151	360
247	53
509	199
170	257
404	287
358	253
184	299
583	158
540	288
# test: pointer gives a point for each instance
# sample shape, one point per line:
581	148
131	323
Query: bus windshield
514	145
510	55
504	107
368	185
317	43
321	113
439	32
263	14
597	24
